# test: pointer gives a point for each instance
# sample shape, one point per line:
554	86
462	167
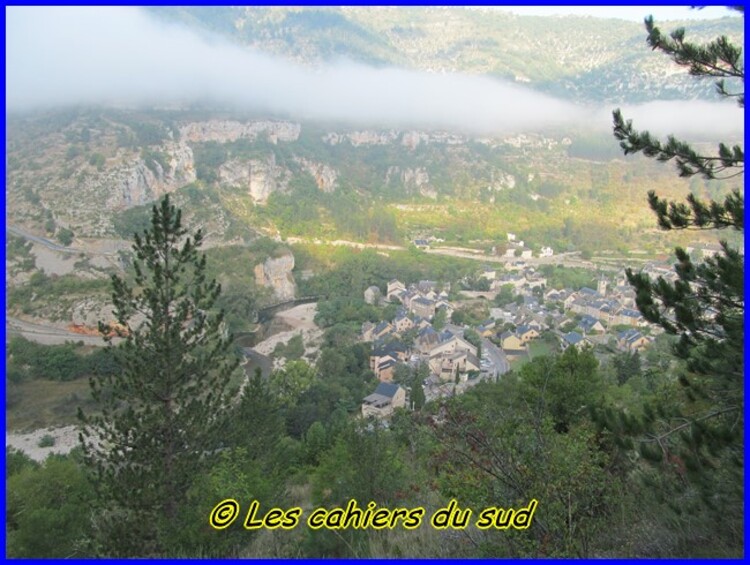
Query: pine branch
719	58
688	161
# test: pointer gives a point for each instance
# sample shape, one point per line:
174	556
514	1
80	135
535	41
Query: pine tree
162	415
699	438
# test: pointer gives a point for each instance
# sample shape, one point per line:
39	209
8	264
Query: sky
122	55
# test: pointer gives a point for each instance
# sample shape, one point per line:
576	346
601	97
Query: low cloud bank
118	55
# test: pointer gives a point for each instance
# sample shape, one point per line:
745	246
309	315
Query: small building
426	340
423	307
385	369
372	295
395	287
381	330
368	329
450	365
488	273
632	340
452	344
589	324
526	333
573	339
386	398
510	342
403	323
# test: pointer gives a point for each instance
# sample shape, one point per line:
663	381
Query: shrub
47	441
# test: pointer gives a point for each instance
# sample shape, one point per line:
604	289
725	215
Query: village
430	332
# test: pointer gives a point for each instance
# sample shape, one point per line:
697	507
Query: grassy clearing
42	403
540	347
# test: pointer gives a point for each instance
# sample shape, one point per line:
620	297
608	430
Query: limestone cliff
136	182
260	177
325	176
276	273
412	179
225	131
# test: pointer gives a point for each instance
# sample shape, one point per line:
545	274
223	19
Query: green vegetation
174	376
52	296
47	509
18	250
97	160
292	350
65	236
42	403
156	161
47	441
346	272
28	360
694	439
568	277
547	345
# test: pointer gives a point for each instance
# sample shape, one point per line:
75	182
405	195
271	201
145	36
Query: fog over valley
125	56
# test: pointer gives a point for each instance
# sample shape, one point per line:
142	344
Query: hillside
581	58
86	176
93	171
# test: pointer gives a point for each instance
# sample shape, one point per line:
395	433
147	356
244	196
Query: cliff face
276	273
325	176
85	183
89	204
410	139
412	179
225	131
136	183
260	177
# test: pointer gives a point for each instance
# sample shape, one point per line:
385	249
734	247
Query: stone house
372	295
510	342
386	398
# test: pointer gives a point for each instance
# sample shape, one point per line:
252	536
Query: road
46	242
568	259
48	335
54	246
496	356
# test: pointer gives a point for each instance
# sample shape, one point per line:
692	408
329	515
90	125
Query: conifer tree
162	415
699	437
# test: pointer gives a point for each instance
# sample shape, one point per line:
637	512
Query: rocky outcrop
366	137
325	176
138	183
224	131
276	273
501	180
90	312
417	179
260	177
410	139
181	164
